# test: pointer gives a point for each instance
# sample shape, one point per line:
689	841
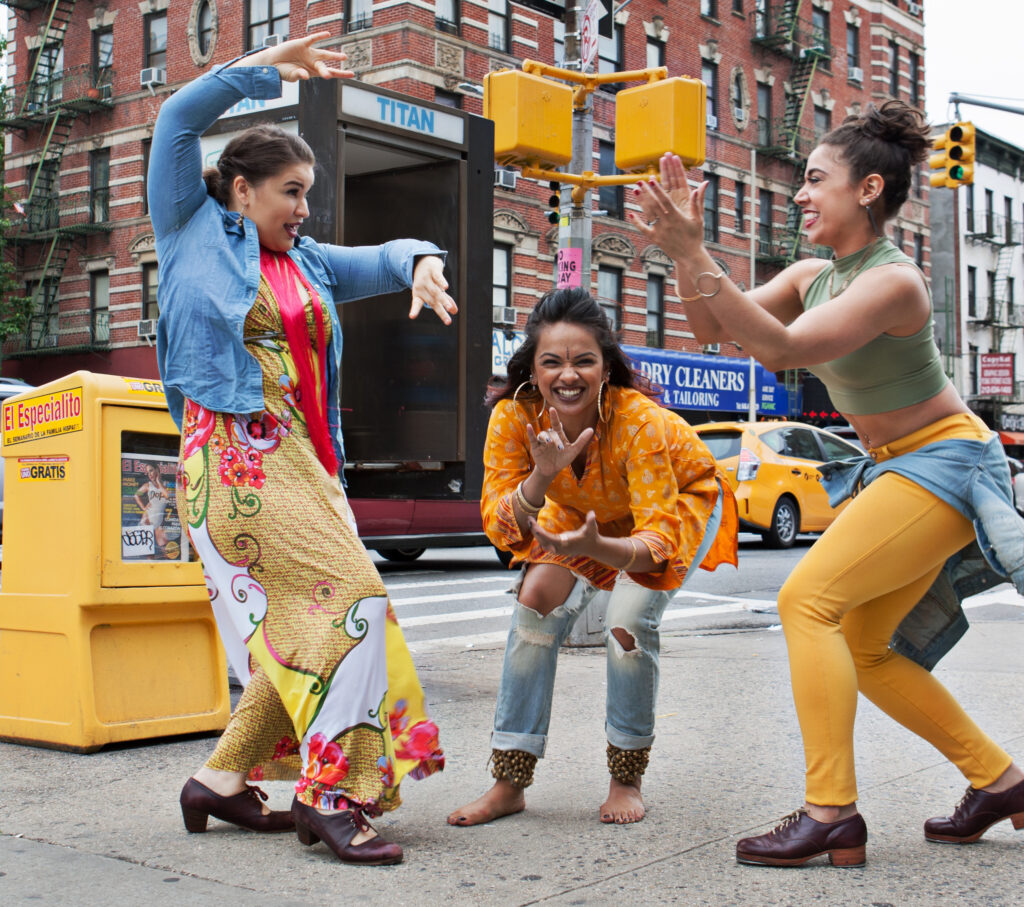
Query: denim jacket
209	260
973	477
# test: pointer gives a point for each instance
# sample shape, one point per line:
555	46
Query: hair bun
900	124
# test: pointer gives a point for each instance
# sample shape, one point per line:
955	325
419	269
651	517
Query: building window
1008	217
764	221
102	57
916	182
709	8
155	49
99	185
919	250
822	122
42	213
358	14
821	34
711	208
915	80
609	292
43	319
498	24
969	201
972	365
741	200
204	28
609	198
147	144
610	53
990	226
991	288
972	291
655	310
265	18
446	16
737	7
502	280
894	69
852	47
558	37
655	53
764	114
150	307
709	75
48	80
447	98
99	306
897	237
1009	295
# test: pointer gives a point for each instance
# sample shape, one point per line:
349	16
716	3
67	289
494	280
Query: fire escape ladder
45	301
43	66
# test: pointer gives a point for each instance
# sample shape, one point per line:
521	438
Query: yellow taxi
772	468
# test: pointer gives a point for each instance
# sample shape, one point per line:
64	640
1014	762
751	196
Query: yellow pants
839	609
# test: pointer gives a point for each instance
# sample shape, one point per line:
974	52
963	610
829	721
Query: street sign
588	33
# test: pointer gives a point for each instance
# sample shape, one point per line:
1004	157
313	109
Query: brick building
86	80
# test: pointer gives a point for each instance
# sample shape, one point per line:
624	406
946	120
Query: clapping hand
551	450
297	60
582	541
429	288
673	215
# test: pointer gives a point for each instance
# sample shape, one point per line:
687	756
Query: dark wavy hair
256	154
575	306
889	140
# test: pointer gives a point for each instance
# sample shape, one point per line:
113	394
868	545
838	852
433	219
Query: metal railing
46	215
997	228
75	88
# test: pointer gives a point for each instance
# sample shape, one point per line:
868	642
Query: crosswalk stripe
427	620
506	581
449	597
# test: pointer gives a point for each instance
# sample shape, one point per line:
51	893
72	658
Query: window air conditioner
712	348
147	328
272	40
711	122
50	340
150	78
504	314
739	114
914	8
505	179
856	74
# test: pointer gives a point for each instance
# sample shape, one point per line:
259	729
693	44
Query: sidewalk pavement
105	828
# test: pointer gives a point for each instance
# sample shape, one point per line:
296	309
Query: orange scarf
283	276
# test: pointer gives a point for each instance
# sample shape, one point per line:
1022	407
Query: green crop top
888	372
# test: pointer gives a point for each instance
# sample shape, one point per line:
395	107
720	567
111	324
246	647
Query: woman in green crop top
863	323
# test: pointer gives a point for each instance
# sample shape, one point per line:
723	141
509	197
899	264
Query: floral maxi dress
303	613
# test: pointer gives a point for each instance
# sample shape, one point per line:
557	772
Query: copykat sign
43	416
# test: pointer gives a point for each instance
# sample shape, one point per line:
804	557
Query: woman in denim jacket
863	323
249	348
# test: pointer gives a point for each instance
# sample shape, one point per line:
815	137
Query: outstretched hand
429	289
577	542
298	60
551	450
673	214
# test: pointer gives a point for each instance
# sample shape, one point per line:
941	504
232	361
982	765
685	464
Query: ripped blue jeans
528	674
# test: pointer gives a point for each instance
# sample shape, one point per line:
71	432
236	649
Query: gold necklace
854	271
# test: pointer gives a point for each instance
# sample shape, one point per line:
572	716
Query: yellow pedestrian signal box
955	157
532	119
664	116
106	630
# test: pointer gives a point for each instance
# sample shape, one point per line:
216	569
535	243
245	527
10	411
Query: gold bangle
700	294
625	567
528	508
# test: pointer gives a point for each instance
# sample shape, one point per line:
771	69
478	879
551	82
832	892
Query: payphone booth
391	166
106	630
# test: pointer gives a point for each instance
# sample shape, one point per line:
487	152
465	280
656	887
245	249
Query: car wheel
401	555
785	524
504	556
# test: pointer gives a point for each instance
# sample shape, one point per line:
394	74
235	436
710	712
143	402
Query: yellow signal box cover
659	117
532	118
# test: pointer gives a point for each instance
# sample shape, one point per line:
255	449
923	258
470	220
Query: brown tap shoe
975	814
338	830
799	838
243	809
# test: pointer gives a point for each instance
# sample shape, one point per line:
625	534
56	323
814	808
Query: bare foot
503	799
624	803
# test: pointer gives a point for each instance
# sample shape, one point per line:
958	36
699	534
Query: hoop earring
600	402
874	223
515	401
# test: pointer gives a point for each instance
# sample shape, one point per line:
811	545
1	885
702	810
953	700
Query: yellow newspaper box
106	630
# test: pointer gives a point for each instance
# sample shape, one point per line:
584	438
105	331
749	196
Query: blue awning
717	383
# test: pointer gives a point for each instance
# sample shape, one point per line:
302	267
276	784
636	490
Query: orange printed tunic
647	475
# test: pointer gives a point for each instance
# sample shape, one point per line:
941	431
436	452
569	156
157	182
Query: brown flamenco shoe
799	838
243	809
975	814
337	832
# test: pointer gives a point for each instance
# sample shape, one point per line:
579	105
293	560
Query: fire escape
46	106
1002	313
780	31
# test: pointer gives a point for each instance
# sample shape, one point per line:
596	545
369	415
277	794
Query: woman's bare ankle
828	814
227	784
1010	778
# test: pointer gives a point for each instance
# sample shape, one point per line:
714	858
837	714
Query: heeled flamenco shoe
244	809
799	838
337	831
975	814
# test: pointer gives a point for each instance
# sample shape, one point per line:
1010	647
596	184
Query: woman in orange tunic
595	488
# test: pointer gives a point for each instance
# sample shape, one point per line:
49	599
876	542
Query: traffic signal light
955	157
554	201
